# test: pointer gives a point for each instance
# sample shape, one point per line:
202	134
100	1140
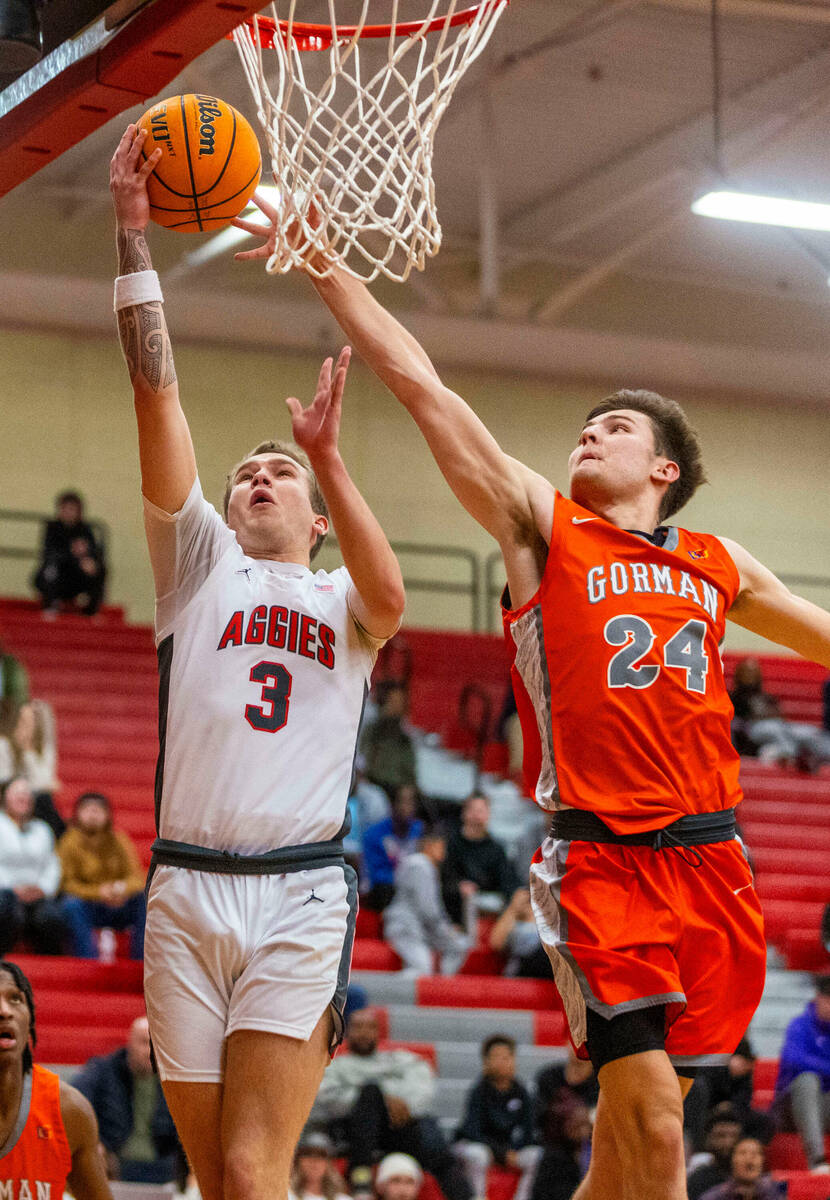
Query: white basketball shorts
228	952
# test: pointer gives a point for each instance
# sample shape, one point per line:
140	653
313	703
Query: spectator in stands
714	1165
30	873
730	1084
476	866
747	1179
759	728
14	682
103	882
28	748
72	563
368	804
416	924
802	1089
559	1088
315	1176
498	1121
387	843
135	1126
398	1177
516	935
564	1163
377	1101
509	730
387	749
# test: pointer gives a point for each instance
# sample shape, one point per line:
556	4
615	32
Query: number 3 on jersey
683	651
276	688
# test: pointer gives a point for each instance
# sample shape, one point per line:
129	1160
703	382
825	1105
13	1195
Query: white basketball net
352	156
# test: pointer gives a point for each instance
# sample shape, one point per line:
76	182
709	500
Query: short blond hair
290	450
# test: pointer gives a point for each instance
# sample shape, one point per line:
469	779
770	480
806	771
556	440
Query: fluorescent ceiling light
764	210
229	237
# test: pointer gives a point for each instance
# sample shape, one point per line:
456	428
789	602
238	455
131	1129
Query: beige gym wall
68	422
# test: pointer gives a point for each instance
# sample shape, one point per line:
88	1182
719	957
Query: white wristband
141	287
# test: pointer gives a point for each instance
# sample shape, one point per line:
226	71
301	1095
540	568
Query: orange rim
308	36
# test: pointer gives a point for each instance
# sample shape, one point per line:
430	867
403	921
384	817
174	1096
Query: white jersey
263	675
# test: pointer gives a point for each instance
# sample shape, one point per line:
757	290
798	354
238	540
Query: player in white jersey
264	668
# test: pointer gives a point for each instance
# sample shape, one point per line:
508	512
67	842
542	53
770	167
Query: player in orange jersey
643	895
48	1131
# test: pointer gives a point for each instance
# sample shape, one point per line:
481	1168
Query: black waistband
696	829
224	862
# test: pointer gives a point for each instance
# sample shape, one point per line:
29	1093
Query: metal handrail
99	528
469	558
494	586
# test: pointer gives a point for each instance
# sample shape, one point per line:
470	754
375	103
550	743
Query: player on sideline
643	895
48	1131
264	669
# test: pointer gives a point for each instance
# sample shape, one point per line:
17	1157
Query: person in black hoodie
476	864
498	1121
72	562
134	1123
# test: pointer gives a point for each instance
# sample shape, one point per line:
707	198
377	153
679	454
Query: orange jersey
39	1159
618	676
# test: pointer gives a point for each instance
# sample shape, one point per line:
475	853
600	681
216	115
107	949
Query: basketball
210	163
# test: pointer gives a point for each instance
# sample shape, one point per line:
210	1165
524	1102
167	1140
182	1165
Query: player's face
269	508
14	1019
614	460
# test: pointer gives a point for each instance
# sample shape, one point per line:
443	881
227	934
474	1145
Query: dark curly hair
22	982
673	437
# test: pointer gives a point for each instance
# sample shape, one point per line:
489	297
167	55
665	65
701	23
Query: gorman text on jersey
24	1190
282	628
620	578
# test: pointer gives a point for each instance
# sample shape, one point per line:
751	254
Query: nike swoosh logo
582	520
737	891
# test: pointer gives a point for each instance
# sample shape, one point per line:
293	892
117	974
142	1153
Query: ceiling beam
767	10
81	306
687	142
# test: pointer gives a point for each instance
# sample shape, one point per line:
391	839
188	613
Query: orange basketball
210	163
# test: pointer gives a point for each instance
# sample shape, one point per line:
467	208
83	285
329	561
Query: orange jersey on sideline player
39	1160
618	676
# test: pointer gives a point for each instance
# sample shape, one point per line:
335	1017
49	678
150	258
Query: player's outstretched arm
87	1179
497	491
378	597
766	606
168	464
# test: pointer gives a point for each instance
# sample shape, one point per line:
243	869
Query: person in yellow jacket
103	883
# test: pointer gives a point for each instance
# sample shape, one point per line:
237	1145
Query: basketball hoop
351	138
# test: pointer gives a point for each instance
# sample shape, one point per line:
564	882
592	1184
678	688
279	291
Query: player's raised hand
316	428
128	179
296	232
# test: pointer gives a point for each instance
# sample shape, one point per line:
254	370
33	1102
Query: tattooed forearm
133	251
142	328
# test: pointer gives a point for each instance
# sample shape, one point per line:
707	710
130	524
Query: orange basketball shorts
627	927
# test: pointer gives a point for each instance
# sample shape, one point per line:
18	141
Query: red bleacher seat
784	916
801	1185
369	923
785	1153
773	886
81	975
550	1028
501	1184
803	950
371	954
472	991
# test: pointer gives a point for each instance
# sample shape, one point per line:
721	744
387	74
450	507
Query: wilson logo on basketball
208	112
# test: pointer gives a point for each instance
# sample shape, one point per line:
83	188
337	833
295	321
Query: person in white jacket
376	1101
416	923
30	874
